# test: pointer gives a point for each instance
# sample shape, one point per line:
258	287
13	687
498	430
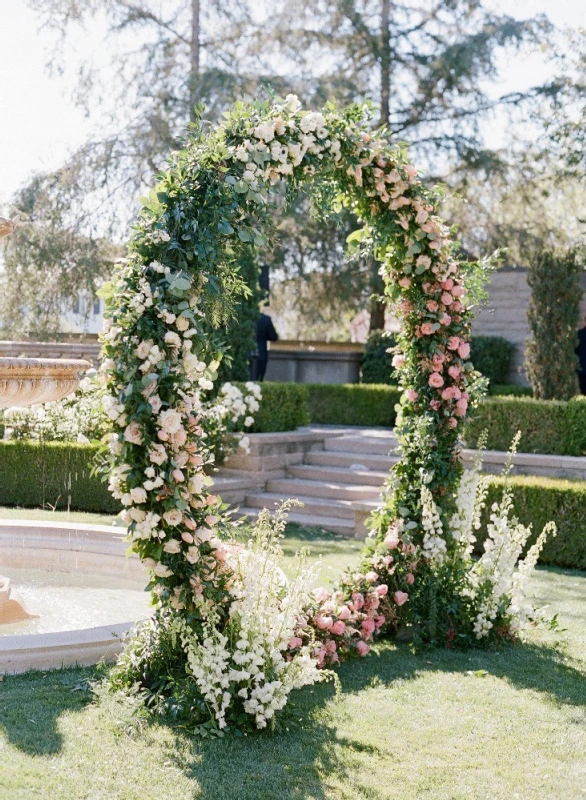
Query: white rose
173	517
138	495
293	102
205	384
155	403
182	323
248	422
137	514
192	554
143	349
133	433
162	571
173	339
172	546
157	454
170	420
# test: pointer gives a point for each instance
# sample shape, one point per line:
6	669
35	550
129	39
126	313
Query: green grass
441	725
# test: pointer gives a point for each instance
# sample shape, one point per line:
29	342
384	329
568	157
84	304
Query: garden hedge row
52	475
283	407
58	475
547	426
538	500
352	404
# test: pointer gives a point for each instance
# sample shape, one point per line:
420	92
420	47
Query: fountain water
86	591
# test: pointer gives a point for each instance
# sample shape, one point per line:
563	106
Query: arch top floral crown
178	284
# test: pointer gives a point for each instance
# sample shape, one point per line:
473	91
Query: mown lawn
440	724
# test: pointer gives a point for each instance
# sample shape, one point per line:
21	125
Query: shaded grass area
439	724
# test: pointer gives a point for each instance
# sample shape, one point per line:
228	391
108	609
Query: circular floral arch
179	281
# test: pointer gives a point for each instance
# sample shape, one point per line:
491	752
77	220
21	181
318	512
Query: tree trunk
385	63
377	304
194	58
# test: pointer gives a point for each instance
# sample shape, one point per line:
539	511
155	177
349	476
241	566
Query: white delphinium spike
434	544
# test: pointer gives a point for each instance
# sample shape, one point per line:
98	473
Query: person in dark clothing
265	332
581	353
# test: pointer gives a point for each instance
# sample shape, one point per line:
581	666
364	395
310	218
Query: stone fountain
25	382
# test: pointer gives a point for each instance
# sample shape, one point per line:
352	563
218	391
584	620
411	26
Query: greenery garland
180	279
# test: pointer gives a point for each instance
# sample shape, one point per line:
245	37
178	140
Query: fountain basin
27	381
69	563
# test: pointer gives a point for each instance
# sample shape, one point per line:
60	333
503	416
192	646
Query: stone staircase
345	469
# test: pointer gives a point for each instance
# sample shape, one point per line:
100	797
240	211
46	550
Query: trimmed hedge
52	475
376	361
492	356
538	500
352	404
509	389
547	426
283	407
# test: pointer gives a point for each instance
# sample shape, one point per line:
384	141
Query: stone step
339	474
360	444
331	458
294	487
340	509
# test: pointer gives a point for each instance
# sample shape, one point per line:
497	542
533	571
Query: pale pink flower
321	594
458	291
295	642
454	342
173	516
344	614
400	598
157	454
178	475
452	422
411	395
461	407
367	627
382	590
427	329
432	306
424	262
331	647
362	648
371	576
464	350
133	433
454	372
435	380
445	319
448	285
404	283
324	623
398	361
357	600
338	628
391	540
410	578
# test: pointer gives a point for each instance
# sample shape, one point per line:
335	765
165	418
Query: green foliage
283	407
352	404
510	389
376	361
492	356
52	475
240	328
538	500
553	315
547	426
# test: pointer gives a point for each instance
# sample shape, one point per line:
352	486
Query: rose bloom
357	600
362	648
138	495
344	614
173	516
382	590
178	475
434	405
155	403
458	291
410	578
398	361
338	628
157	454
448	285
186	536
404	283
182	323
452	422
464	350
371	576
162	571
461	407
295	642
435	380
454	372
143	349
324	623
172	546
427	329
391	540
411	395
387	561
367	626
453	342
170	420
321	594
445	319
432	306
330	646
447	298
192	554
133	433
400	598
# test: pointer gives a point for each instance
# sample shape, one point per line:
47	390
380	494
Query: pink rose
157	454
432	306
388	560
321	594
427	329
448	285
331	647
379	621
404	283
435	380
453	342
178	475
345	613
398	361
295	642
411	395
362	648
400	598
324	623
371	576
338	628
464	350
454	372
408	548
461	407
410	578
357	600
410	171
445	319
391	540
382	590
367	627
447	298
458	291
452	422
133	433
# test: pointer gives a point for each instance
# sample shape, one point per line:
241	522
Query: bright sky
39	125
